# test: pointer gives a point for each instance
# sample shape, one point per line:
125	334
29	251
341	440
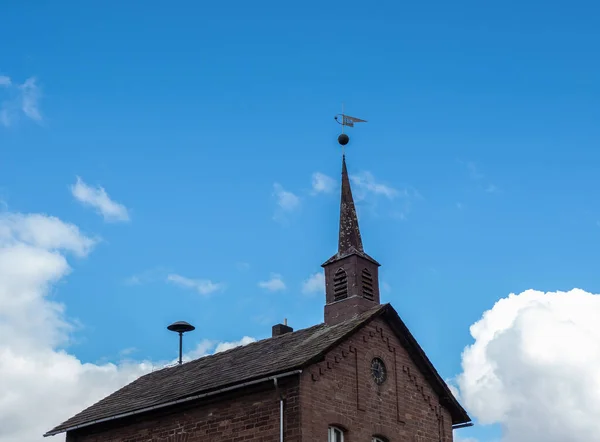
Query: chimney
282	329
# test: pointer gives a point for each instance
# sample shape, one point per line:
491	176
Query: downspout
280	409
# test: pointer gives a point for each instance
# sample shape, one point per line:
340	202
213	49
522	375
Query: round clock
378	371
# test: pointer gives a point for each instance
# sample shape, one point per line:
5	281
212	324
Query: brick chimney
282	329
351	276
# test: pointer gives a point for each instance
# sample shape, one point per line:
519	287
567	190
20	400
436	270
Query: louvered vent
340	285
367	284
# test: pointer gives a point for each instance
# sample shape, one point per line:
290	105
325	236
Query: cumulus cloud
17	100
98	199
207	347
155	274
533	367
43	232
365	182
274	284
314	284
322	183
202	286
30	95
368	191
41	383
286	200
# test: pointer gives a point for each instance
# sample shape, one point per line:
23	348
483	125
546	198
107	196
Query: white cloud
19	99
147	276
128	351
322	183
207	347
42	384
42	232
202	286
133	280
535	360
286	200
368	191
274	284
365	182
97	198
30	95
314	284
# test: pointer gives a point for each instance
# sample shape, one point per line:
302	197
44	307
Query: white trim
332	432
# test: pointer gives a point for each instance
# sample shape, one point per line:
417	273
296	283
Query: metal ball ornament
343	139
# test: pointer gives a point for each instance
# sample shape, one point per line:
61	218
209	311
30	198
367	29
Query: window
367	284
340	285
336	435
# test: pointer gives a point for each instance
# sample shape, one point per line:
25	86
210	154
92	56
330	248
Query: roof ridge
265	357
229	350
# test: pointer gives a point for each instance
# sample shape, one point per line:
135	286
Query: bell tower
351	276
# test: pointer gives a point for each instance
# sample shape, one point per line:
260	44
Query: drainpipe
280	409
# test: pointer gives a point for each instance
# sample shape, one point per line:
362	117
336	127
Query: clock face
378	371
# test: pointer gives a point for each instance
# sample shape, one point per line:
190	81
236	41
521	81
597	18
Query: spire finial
349	121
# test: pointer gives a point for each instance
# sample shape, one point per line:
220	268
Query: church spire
349	237
351	276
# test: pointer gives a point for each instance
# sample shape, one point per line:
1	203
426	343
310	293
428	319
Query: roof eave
458	413
339	256
58	430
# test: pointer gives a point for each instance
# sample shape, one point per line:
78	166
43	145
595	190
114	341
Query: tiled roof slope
241	364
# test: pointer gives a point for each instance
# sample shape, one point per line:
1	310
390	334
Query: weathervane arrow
346	120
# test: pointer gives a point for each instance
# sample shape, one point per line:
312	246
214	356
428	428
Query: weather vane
346	120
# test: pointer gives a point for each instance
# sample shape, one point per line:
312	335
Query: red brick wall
341	391
337	391
250	416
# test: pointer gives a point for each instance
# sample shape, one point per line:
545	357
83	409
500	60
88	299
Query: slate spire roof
350	240
349	236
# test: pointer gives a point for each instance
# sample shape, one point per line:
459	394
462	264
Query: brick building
360	376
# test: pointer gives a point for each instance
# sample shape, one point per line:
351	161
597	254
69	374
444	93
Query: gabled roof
254	361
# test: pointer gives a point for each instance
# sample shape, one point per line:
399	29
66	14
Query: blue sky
476	173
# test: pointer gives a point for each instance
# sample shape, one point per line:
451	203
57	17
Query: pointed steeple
349	239
351	276
349	236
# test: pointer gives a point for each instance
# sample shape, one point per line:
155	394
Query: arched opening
367	284
340	285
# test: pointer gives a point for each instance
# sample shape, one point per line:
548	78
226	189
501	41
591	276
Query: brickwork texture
337	391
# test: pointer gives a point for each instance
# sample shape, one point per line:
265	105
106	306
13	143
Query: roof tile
241	364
